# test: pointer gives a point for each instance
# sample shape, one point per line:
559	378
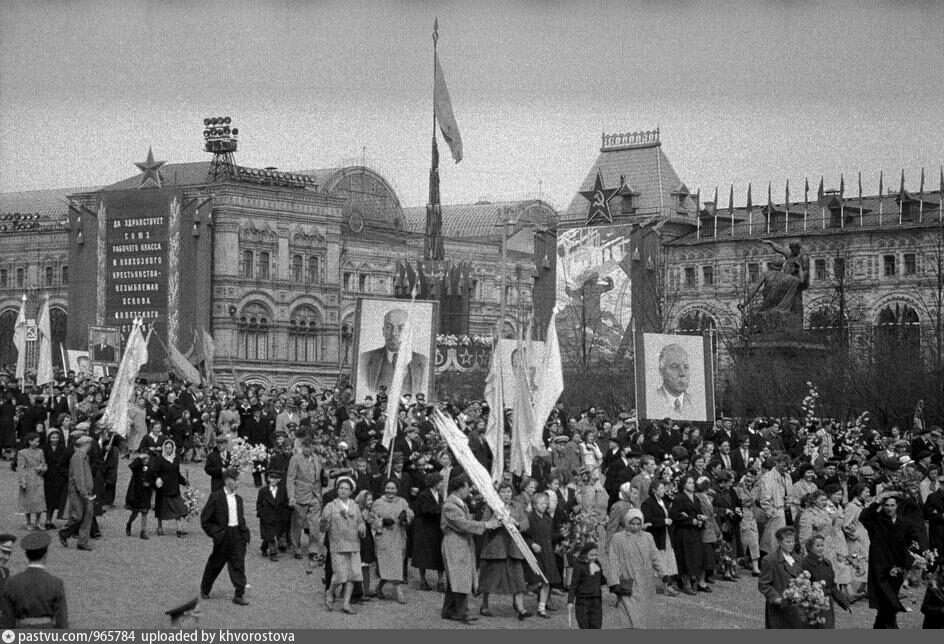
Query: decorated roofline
629	140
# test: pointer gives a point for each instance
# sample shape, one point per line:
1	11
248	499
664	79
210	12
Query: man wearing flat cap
224	521
80	503
34	598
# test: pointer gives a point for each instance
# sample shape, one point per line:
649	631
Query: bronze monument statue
781	290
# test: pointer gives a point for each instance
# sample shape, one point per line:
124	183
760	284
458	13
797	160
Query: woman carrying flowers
821	570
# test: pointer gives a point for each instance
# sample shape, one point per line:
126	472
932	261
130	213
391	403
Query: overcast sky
742	91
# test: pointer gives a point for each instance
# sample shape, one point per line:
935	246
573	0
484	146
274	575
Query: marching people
303	487
427	533
820	568
224	521
656	519
541	537
271	510
30	468
56	477
140	492
501	572
34	599
777	569
585	596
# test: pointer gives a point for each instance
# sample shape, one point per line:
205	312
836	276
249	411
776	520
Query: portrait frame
651	402
368	336
113	338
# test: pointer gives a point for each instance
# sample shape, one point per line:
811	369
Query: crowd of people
610	505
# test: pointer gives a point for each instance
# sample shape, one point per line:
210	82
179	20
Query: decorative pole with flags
921	198
750	212
881	196
714	208
842	201
786	206
442	114
901	197
806	200
19	341
820	199
861	216
731	207
770	207
698	214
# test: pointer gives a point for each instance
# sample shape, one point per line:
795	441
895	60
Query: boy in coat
271	509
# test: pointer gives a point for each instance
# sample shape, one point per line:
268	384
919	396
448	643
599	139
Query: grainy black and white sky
743	90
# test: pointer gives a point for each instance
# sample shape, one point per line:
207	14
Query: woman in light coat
390	516
633	556
30	467
857	540
344	525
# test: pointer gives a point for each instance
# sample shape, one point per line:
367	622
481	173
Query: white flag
19	341
403	357
44	372
120	400
495	430
549	383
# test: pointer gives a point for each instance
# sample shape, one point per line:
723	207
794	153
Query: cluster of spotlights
17	221
218	126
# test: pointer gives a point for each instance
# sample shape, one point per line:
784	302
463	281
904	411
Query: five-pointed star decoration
599	199
151	170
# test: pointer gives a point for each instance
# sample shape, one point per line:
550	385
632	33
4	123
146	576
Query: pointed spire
750	212
820	191
842	186
806	191
698	214
901	190
786	197
731	207
881	196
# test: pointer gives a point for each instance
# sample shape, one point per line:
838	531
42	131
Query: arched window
20	277
4	278
314	270
305	339
7	348
263	266
898	335
253	327
247	264
697	323
297	269
65	276
50	276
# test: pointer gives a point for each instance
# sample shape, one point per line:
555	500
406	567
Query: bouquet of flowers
809	405
921	562
327	446
583	526
193	499
809	597
244	456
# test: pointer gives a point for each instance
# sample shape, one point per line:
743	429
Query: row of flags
533	403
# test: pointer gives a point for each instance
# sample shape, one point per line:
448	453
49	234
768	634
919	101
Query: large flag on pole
495	429
459	445
209	355
442	105
120	401
19	341
181	365
402	358
44	372
549	382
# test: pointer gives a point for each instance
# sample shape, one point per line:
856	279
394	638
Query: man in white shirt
224	521
671	399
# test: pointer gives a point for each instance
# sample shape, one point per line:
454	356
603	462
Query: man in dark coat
34	598
224	521
889	556
272	509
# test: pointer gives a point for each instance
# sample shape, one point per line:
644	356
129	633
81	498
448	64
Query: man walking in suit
34	598
376	366
224	521
303	486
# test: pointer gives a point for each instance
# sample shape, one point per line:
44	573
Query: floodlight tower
220	141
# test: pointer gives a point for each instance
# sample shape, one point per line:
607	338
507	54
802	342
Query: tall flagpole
433	218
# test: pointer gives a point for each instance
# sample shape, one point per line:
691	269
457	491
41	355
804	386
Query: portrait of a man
102	347
388	324
675	380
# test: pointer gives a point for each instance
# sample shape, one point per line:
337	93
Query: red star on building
151	170
599	199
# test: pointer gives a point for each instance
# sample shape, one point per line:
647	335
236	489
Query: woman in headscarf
655	512
688	522
390	517
540	537
30	467
634	560
344	525
56	478
427	533
500	569
628	499
821	570
169	505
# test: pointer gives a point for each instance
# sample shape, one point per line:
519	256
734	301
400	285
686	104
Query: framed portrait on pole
104	344
674	377
380	330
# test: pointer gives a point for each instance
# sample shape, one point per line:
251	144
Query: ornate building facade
281	257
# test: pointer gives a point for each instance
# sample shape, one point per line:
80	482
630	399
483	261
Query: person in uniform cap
34	598
187	615
6	551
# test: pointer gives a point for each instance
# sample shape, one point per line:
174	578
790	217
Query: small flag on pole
44	372
495	397
750	212
442	105
19	341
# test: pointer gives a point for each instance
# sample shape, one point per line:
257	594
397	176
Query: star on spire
151	170
599	199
